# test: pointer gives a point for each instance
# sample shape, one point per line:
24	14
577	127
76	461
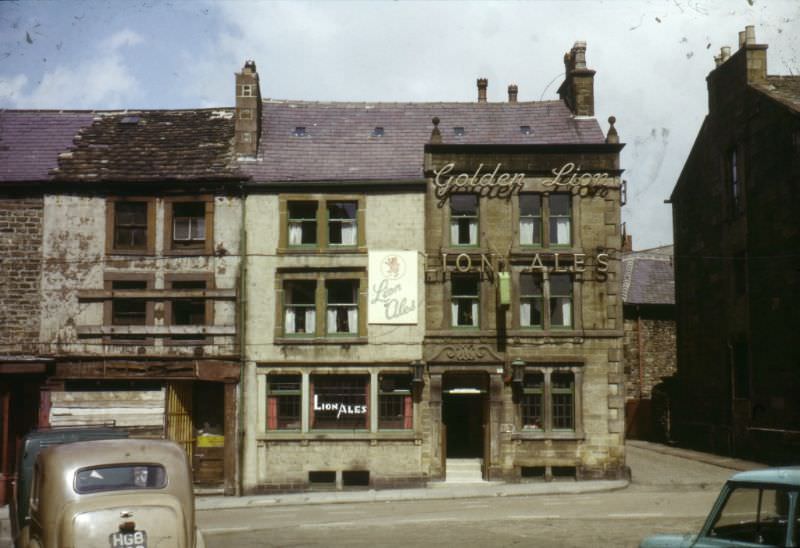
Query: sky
651	58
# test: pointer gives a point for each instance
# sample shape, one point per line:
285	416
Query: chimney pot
741	38
726	53
512	93
579	55
750	35
483	83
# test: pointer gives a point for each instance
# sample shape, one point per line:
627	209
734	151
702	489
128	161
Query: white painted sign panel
392	287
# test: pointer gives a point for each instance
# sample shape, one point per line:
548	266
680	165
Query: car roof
788	475
116	451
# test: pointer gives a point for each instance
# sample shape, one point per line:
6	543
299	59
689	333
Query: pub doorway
464	425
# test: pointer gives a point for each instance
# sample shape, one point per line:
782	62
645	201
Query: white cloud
103	81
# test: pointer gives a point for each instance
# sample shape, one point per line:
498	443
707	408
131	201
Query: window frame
277	393
532	296
204	248
322	244
320	334
169	281
312	416
108	308
407	399
547	325
548	370
539	219
476	217
551	298
551	216
477	322
111	226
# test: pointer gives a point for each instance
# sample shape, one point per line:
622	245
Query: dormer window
525	130
377	132
299	131
458	131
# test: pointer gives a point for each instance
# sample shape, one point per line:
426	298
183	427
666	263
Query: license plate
135	539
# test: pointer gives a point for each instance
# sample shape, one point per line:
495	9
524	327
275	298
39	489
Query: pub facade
432	289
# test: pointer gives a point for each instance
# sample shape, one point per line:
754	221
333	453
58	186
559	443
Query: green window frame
561	302
464	220
530	219
531	300
465	301
560	219
284	401
302	223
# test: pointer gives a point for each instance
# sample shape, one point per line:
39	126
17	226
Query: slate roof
648	277
139	146
339	145
30	141
785	89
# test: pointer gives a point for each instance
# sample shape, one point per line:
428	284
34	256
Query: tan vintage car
123	493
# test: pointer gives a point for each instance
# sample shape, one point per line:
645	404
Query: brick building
737	284
648	297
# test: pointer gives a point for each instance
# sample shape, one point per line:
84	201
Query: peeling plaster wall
74	258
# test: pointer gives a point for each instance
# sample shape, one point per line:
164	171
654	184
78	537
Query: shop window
189	311
130	226
283	402
342	228
530	219
560	286
299	317
560	213
465	302
531	300
563	400
302	223
548	400
127	311
339	402
531	402
395	406
464	219
342	307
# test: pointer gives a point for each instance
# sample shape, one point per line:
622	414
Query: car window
754	514
114	478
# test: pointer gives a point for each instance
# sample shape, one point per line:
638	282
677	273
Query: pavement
444	490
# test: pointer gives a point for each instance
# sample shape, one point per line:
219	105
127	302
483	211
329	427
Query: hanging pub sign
392	287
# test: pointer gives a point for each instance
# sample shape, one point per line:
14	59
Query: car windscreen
120	477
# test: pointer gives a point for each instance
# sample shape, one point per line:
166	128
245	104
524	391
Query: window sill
189	251
334	435
541	435
319	340
128	252
316	250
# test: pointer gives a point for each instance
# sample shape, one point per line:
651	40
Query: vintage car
112	493
756	508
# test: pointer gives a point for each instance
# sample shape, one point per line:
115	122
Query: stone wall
20	273
658	351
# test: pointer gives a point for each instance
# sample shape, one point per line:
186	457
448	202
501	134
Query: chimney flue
247	123
483	83
725	53
741	38
749	35
512	93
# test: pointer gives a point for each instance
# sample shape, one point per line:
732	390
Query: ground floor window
395	406
283	402
548	399
339	402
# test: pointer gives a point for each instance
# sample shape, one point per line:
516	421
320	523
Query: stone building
648	297
502	218
736	263
139	220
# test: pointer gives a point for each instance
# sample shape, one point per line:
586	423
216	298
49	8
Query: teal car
756	508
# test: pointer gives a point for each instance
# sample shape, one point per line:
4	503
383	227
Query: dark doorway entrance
462	414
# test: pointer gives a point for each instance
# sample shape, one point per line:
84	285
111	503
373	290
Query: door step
464	471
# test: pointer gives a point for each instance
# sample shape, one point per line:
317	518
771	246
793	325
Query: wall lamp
419	372
517	372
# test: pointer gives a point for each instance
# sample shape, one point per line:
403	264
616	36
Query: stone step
464	471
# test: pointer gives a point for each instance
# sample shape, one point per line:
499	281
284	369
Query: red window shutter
408	412
272	413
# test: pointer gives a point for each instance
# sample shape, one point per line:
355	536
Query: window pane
300	306
342	223
123	477
130	225
560	300
128	311
340	402
531	401
530	205
752	515
302	223
563	396
283	402
531	284
463	204
342	310
560	204
465	301
395	407
560	219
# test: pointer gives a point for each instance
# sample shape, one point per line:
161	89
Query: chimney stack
725	53
512	93
750	35
577	90
248	111
483	83
741	38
